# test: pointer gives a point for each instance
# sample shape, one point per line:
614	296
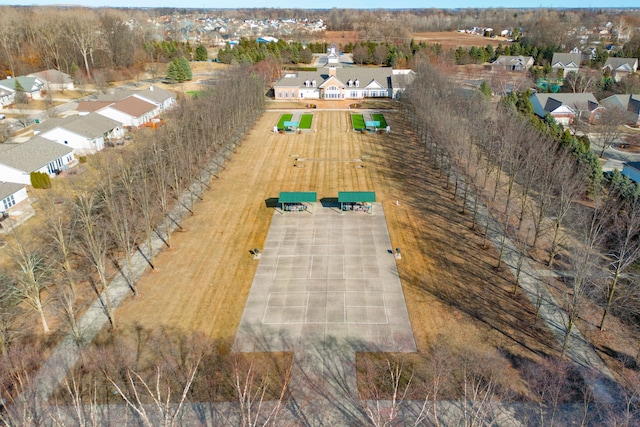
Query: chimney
332	71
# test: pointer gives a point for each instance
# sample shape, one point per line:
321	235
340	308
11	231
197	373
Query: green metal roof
297	197
356	196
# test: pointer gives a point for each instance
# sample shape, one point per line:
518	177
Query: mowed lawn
377	117
284	118
305	121
358	121
451	286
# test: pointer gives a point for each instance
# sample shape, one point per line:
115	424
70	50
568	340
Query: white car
2	117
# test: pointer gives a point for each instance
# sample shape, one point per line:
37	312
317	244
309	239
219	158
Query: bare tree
93	240
610	127
625	229
32	276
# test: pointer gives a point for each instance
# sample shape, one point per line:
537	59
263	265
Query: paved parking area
326	277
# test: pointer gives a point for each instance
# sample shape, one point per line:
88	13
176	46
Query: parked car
2	117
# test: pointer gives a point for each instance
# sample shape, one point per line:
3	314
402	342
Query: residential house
334	83
620	67
11	194
18	160
32	86
566	61
85	134
632	171
131	111
332	56
513	63
163	99
630	104
54	79
6	97
567	107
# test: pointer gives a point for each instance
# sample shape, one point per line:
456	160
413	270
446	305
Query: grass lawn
305	121
357	120
284	118
379	118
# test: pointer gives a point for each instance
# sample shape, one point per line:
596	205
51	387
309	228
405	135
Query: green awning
356	196
297	197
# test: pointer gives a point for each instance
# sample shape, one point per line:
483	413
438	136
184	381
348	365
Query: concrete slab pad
323	279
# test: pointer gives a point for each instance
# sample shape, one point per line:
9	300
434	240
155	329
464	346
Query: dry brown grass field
451	286
453	39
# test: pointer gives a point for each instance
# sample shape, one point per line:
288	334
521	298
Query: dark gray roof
384	76
9	188
630	103
33	154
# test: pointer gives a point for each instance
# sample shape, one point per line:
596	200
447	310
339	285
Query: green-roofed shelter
297	198
356	198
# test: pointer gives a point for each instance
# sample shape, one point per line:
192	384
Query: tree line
122	201
546	191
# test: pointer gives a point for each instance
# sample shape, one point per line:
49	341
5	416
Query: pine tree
184	66
201	53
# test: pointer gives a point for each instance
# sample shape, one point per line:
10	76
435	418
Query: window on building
8	202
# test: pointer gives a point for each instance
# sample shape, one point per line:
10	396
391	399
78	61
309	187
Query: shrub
40	180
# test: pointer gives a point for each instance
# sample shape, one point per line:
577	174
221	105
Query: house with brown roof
131	112
54	79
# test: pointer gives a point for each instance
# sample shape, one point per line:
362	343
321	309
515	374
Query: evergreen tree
184	66
20	97
485	89
173	73
201	53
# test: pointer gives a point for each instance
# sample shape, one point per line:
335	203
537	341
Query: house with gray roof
630	104
18	160
620	67
565	108
333	83
85	134
157	96
54	79
11	194
513	63
567	62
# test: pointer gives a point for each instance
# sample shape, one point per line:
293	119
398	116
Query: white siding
9	174
80	145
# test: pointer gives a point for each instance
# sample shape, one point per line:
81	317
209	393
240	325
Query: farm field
453	39
451	288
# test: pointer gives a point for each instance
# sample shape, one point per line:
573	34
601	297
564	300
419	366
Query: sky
355	4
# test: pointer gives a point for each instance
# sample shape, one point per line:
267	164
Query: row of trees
537	185
251	52
118	205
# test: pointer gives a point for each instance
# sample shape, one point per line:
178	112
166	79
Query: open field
453	40
451	286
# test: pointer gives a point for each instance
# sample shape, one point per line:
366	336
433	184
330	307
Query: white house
332	83
566	107
54	79
157	96
131	112
11	194
567	62
32	86
18	160
620	67
85	134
